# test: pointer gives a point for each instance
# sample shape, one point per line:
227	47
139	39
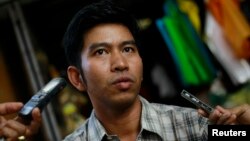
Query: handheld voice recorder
43	97
196	101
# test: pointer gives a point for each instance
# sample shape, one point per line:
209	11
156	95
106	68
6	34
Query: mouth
123	83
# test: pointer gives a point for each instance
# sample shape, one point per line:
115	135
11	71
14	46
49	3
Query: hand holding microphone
28	121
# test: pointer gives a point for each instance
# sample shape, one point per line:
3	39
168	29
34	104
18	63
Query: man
102	49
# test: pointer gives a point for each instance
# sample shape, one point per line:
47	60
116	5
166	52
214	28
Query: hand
242	112
220	115
11	129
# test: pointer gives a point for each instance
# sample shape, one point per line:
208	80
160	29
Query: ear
75	78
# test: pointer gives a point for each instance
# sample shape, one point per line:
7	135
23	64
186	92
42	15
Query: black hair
87	18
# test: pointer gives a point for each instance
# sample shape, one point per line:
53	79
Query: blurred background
202	46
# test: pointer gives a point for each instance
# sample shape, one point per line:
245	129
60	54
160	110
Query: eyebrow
130	42
104	44
96	45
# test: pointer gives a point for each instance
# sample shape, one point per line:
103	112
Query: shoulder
78	134
172	112
161	108
172	121
179	114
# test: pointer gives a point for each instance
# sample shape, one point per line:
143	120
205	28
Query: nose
119	62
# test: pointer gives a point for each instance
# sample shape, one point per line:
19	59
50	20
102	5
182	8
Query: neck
124	123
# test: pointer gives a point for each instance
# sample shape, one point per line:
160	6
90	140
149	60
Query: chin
126	100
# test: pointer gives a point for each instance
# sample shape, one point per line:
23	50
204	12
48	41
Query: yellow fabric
191	9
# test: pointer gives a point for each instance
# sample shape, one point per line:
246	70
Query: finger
18	127
202	113
221	109
13	129
2	124
214	116
239	110
8	133
223	118
2	121
36	115
232	120
219	115
227	117
35	123
10	107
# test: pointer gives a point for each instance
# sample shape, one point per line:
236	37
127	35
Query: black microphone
42	97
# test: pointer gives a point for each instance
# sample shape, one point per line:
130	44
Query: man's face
112	66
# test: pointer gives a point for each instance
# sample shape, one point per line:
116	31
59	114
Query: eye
129	49
100	52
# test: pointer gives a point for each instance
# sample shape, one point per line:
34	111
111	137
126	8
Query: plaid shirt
158	123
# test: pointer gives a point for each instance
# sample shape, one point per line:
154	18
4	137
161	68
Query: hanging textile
193	63
234	24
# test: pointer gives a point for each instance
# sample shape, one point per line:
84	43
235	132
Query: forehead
107	32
